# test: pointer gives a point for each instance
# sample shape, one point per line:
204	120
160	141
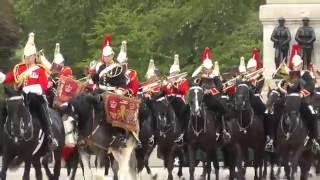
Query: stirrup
179	140
315	146
226	136
269	146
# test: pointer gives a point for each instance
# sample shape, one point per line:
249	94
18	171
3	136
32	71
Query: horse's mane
293	102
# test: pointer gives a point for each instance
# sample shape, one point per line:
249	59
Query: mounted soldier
57	69
176	88
32	79
209	79
115	77
256	81
301	82
131	75
153	84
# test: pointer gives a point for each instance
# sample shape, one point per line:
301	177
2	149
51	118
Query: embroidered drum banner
122	111
67	89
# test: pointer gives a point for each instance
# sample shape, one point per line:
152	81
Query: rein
245	129
288	134
88	140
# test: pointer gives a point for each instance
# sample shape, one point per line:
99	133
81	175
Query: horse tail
15	163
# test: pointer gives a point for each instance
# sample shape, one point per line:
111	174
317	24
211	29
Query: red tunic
38	76
180	91
132	81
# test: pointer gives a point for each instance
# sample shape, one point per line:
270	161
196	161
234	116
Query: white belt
34	88
107	88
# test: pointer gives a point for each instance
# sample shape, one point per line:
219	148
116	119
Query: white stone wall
293	13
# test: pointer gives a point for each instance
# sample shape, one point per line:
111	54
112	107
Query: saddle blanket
122	111
67	89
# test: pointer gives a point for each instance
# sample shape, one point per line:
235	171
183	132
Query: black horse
146	136
248	128
202	129
292	136
96	135
24	137
169	134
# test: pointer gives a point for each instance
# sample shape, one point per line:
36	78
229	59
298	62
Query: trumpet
151	86
247	76
176	79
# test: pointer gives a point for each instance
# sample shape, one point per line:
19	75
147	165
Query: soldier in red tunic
131	75
176	88
33	80
152	86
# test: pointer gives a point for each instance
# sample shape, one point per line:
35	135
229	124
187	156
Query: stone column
293	11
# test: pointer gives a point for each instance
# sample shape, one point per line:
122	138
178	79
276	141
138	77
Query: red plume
295	49
106	40
256	55
206	54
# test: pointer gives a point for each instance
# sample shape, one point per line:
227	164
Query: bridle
197	113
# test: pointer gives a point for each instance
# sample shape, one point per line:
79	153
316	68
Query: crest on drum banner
67	89
122	111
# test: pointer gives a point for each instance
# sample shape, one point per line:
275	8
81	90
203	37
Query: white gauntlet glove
2	77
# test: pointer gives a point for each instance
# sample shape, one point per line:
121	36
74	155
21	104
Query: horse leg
57	164
208	168
37	166
74	166
100	171
287	169
6	159
45	162
27	167
107	166
170	163
180	165
191	152
115	169
216	166
85	159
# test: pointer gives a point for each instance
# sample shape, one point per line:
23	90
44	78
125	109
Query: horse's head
163	114
292	106
274	98
195	100
242	97
79	113
16	111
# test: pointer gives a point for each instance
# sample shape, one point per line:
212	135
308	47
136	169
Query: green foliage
153	29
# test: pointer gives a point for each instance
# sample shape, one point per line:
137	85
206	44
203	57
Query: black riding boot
268	127
47	122
225	134
309	115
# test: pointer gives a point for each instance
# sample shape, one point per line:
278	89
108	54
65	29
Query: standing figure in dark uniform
306	37
281	38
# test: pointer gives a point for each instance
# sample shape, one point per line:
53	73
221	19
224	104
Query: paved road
162	175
